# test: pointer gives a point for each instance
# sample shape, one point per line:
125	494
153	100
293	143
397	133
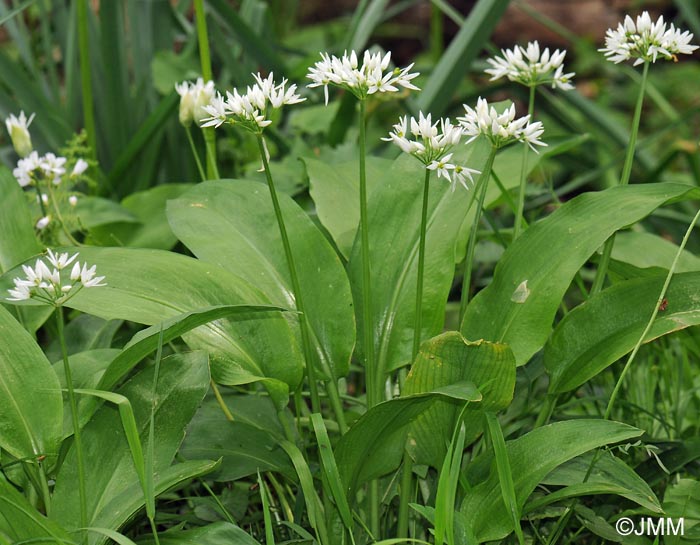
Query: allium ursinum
249	110
54	285
501	129
430	144
645	41
531	67
18	128
361	80
193	98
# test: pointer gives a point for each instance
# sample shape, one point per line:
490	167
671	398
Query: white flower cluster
193	98
18	128
645	41
501	129
49	167
51	286
250	108
430	145
529	66
360	80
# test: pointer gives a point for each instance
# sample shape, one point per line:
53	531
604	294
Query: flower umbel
18	127
361	80
193	98
249	109
645	41
53	286
430	144
529	66
501	129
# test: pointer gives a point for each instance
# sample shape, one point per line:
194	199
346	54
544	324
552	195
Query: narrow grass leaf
267	519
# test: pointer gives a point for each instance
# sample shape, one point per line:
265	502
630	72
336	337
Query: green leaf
148	207
682	500
114	492
97	211
335	189
83	333
249	444
18	241
21	521
447	359
464	48
211	534
149	286
31	405
532	457
231	223
547	257
610	475
375	444
606	327
648	250
394	213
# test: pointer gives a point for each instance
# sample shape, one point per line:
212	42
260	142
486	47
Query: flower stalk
86	76
517	226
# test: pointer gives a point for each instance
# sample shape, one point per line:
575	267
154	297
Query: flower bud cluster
361	80
529	66
500	128
54	285
193	98
430	144
18	128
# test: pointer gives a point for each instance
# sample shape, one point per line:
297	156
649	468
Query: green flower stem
85	76
202	175
205	61
305	341
481	186
220	401
421	266
659	300
373	375
517	226
59	216
74	415
624	180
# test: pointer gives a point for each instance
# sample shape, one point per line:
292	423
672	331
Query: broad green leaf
375	443
212	534
648	250
21	521
447	359
335	189
83	333
97	211
464	48
148	207
610	475
532	457
231	223
149	286
394	223
547	257
607	326
113	489
682	500
31	405
249	444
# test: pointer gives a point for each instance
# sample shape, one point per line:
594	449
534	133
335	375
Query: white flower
50	285
193	98
43	223
18	127
250	109
53	167
501	129
26	168
645	41
360	80
81	166
430	145
530	67
73	200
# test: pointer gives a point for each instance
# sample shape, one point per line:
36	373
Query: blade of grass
331	470
86	75
504	473
370	18
150	447
264	496
16	11
464	48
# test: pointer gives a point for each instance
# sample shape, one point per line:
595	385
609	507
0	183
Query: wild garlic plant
54	179
193	98
644	42
530	67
